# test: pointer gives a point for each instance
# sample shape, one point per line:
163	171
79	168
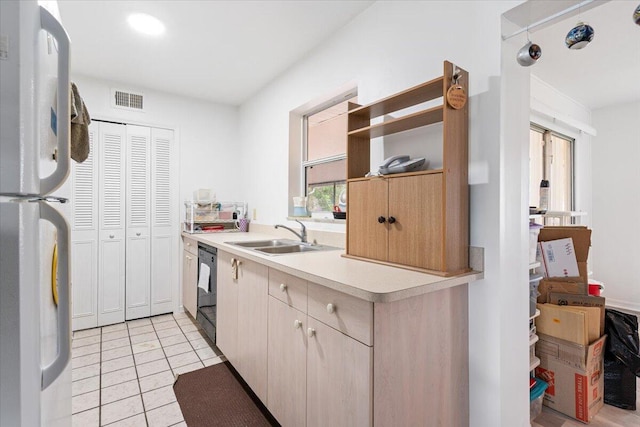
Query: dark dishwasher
207	300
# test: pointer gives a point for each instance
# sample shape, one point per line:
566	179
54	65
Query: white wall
616	199
206	133
389	47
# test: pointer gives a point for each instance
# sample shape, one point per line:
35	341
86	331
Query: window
551	159
324	157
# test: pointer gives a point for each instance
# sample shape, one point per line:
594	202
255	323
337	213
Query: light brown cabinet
316	360
397	220
423	216
287	364
339	377
190	276
242	318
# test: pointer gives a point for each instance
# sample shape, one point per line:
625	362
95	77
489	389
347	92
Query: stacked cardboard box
570	326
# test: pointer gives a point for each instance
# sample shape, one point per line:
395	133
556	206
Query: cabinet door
84	236
164	244
339	379
367	237
253	296
138	262
189	283
287	364
227	314
111	253
416	236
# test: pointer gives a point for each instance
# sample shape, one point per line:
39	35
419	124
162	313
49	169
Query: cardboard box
575	375
579	325
559	258
569	285
581	237
580	301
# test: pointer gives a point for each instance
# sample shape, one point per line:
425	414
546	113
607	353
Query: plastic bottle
544	195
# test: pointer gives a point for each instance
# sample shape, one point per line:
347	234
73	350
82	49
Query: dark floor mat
215	396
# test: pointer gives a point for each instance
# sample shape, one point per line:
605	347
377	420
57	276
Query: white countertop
366	280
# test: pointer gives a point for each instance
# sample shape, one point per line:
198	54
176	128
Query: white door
111	251
138	240
164	234
84	236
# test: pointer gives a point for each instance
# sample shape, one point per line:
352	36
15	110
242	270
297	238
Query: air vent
127	100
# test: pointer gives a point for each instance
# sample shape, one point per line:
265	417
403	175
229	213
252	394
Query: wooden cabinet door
227	314
287	364
189	283
339	379
253	292
416	236
367	237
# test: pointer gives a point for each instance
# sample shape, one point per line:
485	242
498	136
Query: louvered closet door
137	289
84	237
111	254
163	227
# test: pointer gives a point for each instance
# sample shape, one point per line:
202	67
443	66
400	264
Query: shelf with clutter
210	216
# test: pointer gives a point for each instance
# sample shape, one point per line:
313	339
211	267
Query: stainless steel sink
280	246
264	243
276	250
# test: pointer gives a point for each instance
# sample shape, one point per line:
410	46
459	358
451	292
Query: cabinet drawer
288	289
343	312
190	245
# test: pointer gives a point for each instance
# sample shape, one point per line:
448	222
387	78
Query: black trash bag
619	385
621	359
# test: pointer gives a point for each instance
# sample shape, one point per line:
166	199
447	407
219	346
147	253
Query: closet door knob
111	236
297	324
311	332
283	287
391	220
331	308
382	219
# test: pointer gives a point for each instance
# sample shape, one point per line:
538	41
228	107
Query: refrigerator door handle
50	24
55	368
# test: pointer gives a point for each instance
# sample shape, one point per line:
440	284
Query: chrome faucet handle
303	231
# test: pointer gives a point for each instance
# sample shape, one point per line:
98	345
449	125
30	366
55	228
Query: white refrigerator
35	332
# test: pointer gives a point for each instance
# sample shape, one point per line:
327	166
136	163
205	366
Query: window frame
547	160
296	178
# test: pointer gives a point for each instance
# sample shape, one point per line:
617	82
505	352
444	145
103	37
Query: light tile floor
123	374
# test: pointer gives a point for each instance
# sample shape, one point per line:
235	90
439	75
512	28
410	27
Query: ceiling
603	73
226	51
221	51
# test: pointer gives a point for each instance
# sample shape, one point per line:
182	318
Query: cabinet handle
331	308
188	257
391	220
138	233
283	287
381	219
111	236
297	324
311	332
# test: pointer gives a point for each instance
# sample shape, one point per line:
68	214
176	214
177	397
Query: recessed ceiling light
146	24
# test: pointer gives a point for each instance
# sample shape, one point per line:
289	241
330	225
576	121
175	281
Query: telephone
399	164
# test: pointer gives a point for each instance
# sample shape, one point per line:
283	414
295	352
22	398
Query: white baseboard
625	305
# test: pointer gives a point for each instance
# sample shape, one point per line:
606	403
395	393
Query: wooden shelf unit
448	230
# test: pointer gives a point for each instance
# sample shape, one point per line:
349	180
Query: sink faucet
303	231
